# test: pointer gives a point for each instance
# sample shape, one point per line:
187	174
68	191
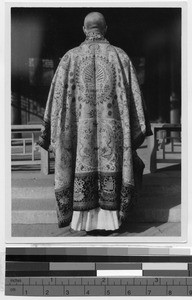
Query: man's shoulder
74	50
121	52
71	53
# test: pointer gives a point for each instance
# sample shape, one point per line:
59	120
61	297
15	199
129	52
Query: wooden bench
164	130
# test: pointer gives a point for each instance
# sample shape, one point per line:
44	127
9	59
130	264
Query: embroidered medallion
94	119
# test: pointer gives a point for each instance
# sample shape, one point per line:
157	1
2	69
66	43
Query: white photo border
98	241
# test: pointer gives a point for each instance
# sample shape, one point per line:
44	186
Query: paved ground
133	229
158	212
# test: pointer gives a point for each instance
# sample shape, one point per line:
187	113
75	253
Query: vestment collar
95	36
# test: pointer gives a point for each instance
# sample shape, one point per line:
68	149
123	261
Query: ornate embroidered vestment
94	121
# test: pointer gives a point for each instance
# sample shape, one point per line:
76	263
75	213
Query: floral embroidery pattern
95	119
64	207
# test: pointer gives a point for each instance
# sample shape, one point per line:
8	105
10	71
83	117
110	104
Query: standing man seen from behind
94	121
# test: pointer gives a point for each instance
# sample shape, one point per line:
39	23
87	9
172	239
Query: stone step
48	192
34	211
33	198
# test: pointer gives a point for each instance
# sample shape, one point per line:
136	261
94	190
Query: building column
15	111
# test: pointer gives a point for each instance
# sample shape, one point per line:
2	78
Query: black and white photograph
96	123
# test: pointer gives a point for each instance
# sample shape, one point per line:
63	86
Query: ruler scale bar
97	272
157	286
100	290
97	281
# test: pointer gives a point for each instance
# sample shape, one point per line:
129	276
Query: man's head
95	21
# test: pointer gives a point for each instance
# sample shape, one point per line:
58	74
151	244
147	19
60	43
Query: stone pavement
157	213
134	229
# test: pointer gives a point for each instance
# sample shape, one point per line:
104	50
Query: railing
162	134
24	146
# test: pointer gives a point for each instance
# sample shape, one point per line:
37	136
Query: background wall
41	36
